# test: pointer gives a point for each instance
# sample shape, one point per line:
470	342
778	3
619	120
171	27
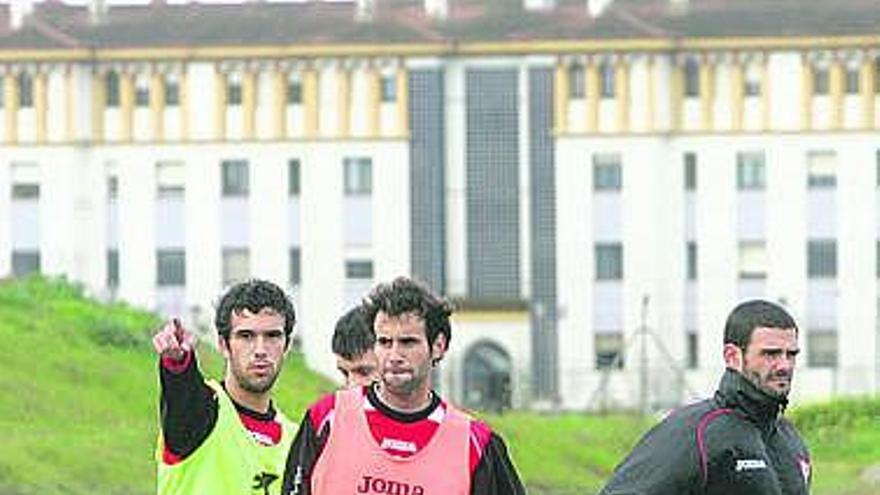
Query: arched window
487	374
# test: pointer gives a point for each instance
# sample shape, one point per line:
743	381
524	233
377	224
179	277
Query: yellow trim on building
220	88
835	90
249	103
867	88
650	99
676	96
591	75
622	91
374	102
707	95
310	102
560	99
157	105
737	95
10	98
41	109
402	101
343	97
99	100
491	316
806	94
126	105
279	89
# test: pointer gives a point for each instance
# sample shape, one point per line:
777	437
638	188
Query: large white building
596	183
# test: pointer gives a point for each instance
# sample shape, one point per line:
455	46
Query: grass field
78	392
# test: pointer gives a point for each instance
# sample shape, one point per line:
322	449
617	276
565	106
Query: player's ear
733	357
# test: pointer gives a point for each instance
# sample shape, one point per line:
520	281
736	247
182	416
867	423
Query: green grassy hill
78	413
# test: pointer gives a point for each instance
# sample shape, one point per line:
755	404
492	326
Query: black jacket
736	443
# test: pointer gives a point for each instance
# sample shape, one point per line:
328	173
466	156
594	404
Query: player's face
358	371
404	355
769	359
256	349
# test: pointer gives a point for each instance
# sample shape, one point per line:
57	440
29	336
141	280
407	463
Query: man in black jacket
736	443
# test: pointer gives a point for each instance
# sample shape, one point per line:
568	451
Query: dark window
235	177
142	94
293	167
170	267
821	171
752	84
852	81
233	92
607	80
690	171
358	176
607	175
691	260
822	348
111	83
25	90
113	268
820	81
172	91
691	78
112	187
295	275
750	173
359	269
389	89
822	258
609	261
577	87
609	350
294	92
25	263
693	350
25	191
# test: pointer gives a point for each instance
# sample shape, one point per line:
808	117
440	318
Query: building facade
595	183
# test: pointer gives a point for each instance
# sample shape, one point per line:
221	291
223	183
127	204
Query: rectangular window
607	80
852	81
359	269
820	81
692	361
750	170
607	174
172	90
142	92
609	261
170	179
25	263
233	90
112	187
691	78
25	90
822	258
295	274
112	268
235	177
752	83
691	260
25	191
609	350
293	171
170	267
822	348
577	86
821	169
25	182
690	171
752	260
111	88
236	265
358	176
294	90
389	88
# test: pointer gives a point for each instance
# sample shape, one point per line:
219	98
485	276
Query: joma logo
370	484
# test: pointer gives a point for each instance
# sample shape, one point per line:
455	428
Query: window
295	274
389	88
607	175
358	176
25	263
112	187
293	167
607	80
609	350
820	81
359	269
822	348
577	86
170	267
236	265
294	91
172	90
750	173
142	92
233	90
25	191
111	87
691	260
112	268
691	78
852	81
609	261
752	83
822	258
821	169
690	171
25	181
25	90
235	177
170	179
752	260
692	360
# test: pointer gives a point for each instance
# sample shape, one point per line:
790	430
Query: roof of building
56	25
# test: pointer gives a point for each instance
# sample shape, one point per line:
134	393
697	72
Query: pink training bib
352	463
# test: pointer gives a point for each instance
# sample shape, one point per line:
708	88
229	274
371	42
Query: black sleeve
495	474
664	461
188	408
304	452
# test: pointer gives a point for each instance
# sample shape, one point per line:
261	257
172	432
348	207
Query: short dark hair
352	336
253	295
749	315
405	295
